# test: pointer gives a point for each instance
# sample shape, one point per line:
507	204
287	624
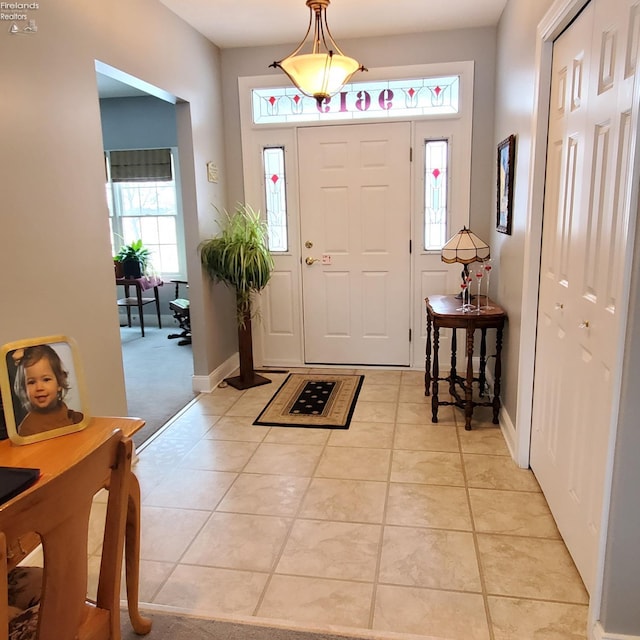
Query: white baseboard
600	634
504	419
206	384
508	432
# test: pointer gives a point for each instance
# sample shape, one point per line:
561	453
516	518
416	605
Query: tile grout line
474	533
376	575
287	537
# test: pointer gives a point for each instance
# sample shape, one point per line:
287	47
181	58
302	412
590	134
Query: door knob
584	325
309	260
559	306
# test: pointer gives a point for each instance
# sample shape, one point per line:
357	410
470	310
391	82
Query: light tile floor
395	525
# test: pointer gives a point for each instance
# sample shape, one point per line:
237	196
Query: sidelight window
275	198
436	169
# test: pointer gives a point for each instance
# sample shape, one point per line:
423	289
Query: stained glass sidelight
436	161
275	198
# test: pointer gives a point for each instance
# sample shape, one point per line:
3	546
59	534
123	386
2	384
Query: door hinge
409	335
410	154
410	246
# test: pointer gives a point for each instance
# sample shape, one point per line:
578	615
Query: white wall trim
206	384
600	634
553	23
509	432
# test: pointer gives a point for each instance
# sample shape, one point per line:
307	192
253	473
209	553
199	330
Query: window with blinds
142	195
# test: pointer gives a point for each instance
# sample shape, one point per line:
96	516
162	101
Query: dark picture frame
504	204
66	411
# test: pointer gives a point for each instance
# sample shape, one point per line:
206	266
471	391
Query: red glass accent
273	100
274	178
437	91
436	173
411	92
297	98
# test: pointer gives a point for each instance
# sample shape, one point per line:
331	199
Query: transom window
406	98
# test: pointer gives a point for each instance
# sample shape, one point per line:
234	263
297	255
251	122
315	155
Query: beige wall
57	274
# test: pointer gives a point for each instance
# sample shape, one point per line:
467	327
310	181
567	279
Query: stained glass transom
406	98
275	198
436	161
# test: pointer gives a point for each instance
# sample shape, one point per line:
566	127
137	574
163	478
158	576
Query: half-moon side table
443	312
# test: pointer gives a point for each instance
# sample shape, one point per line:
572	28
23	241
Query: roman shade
140	165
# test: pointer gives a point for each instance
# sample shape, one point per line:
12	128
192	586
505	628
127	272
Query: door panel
355	214
584	247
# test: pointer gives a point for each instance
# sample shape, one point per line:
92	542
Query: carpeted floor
173	627
158	376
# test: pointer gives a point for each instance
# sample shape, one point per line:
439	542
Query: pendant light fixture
325	70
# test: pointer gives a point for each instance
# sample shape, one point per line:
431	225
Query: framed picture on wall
506	159
42	389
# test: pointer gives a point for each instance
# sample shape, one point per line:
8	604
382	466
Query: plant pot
118	268
131	269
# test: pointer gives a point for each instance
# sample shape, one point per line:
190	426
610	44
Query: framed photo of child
42	388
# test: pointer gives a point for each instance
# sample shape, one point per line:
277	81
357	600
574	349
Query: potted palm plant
239	257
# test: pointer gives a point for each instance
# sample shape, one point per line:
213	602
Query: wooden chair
58	510
180	308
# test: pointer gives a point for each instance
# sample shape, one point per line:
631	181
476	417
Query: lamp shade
319	75
465	247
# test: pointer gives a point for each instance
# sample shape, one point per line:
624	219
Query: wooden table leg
157	297
482	377
497	374
468	387
140	305
128	308
436	374
140	624
427	363
453	374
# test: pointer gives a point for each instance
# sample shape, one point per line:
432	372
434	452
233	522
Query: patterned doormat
324	401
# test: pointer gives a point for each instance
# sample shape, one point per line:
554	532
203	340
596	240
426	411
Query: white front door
355	213
584	248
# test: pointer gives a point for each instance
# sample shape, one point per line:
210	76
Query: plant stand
248	378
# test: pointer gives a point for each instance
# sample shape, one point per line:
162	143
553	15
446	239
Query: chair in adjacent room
180	308
51	603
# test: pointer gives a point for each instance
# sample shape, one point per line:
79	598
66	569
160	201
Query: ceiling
253	23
